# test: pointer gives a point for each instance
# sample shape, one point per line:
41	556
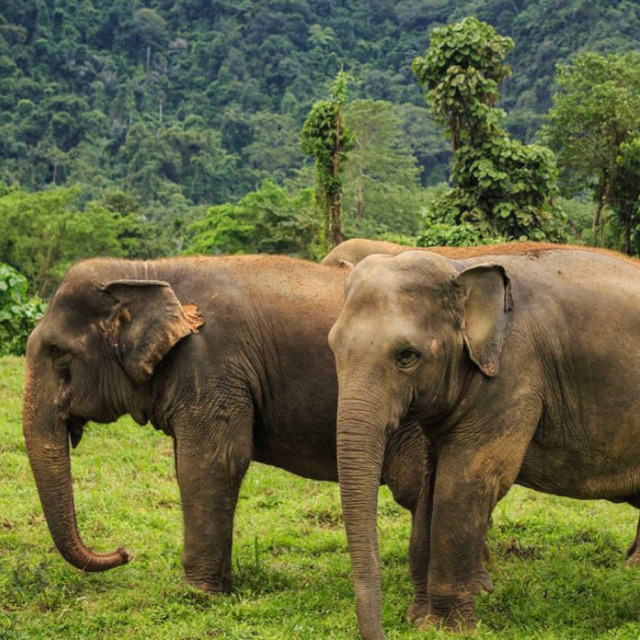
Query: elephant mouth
75	427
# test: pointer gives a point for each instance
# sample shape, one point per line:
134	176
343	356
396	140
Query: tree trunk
359	197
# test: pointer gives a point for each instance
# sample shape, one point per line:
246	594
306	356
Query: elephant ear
146	321
486	291
345	264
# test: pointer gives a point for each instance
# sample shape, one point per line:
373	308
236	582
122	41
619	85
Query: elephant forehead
402	295
406	271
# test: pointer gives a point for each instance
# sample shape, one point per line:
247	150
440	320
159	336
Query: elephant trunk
47	441
361	446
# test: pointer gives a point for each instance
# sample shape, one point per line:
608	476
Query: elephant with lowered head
519	368
229	357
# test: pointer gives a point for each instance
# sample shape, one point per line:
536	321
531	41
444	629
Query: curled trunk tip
105	561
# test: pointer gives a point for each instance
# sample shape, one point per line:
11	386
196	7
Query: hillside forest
159	128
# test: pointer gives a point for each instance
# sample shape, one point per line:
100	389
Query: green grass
557	564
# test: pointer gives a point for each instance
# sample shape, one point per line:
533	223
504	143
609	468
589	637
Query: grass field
557	564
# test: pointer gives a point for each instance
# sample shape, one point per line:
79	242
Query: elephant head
91	358
413	329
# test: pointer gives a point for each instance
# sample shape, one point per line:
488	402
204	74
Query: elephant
519	369
352	251
226	355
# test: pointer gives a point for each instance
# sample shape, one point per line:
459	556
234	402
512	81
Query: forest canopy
201	101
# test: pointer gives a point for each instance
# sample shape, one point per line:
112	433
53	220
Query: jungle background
148	129
167	127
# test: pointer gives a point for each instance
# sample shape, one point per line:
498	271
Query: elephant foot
417	610
633	558
453	623
450	613
216	586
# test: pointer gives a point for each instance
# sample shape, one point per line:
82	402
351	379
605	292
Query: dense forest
175	126
200	100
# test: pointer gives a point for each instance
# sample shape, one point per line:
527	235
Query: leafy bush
268	220
18	313
441	231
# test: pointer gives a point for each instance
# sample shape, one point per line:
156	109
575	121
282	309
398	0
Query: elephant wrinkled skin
519	368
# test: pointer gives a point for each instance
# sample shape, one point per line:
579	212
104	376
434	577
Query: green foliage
268	220
325	138
76	76
186	105
501	187
43	233
18	312
556	563
274	151
504	188
438	232
625	195
190	162
595	113
461	72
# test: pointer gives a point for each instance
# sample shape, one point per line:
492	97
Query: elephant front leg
467	487
406	470
458	535
210	466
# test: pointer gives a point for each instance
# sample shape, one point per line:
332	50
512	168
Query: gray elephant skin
519	368
226	355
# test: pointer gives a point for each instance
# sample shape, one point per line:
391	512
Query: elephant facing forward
519	368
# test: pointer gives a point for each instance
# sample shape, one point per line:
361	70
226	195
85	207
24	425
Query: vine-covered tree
501	186
325	138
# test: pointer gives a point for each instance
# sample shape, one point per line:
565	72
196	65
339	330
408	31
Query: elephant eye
407	357
54	351
60	357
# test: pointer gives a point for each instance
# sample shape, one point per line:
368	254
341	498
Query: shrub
18	313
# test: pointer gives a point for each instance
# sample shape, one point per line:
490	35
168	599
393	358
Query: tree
274	150
596	110
462	70
500	185
624	198
382	183
325	138
174	160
